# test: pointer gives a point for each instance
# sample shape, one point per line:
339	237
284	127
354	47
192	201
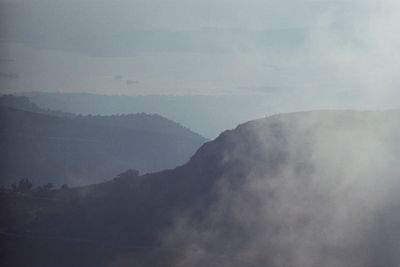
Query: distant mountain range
302	189
205	114
64	148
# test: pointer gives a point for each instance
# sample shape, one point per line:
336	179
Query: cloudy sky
212	47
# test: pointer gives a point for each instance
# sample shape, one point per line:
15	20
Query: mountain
24	103
208	115
47	147
19	102
303	189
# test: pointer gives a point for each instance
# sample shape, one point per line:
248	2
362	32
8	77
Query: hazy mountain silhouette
24	103
207	115
19	102
301	189
48	146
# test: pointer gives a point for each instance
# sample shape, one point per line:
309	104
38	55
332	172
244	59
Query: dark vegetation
56	147
210	212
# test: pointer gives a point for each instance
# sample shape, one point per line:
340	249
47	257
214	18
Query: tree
24	185
126	176
43	189
64	186
48	186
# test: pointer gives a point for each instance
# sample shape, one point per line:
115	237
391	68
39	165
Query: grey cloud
317	189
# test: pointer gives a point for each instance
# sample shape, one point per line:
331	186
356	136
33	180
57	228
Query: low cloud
319	189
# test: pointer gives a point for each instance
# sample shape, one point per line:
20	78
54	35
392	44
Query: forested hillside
46	147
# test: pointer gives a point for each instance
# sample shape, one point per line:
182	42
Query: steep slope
302	189
88	149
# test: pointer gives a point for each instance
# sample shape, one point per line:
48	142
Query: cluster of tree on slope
76	150
307	189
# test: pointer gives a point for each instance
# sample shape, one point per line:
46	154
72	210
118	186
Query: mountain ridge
294	189
83	149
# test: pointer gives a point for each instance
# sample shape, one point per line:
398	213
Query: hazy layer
312	48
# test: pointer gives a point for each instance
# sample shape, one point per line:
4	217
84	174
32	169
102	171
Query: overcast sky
211	47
